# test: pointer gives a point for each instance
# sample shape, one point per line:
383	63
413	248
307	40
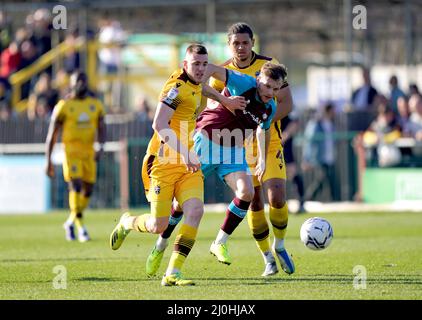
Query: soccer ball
316	233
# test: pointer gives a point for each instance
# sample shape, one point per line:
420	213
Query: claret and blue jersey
257	113
217	140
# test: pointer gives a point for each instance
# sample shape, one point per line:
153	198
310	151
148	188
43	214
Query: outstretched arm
232	103
216	72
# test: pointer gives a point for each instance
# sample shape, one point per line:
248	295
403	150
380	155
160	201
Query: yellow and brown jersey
253	70
184	96
80	122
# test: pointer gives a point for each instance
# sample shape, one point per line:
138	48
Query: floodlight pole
348	41
210	20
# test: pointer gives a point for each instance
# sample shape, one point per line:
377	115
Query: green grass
389	245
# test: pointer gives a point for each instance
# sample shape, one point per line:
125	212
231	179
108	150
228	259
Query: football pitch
372	256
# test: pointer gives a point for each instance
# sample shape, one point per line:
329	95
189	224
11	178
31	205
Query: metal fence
137	133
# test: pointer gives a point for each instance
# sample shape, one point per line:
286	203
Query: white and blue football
316	233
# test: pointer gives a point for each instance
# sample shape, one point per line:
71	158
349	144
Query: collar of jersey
250	63
189	79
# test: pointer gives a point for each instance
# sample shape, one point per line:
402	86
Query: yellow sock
279	218
260	230
140	223
74	205
182	246
83	202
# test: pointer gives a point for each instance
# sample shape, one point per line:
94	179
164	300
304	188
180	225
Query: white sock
278	244
222	237
128	222
172	271
161	243
268	256
69	222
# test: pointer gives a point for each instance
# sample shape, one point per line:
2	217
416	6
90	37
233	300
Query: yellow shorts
163	182
80	168
275	166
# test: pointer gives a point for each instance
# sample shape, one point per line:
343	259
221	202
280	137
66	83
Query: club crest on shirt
83	117
157	189
92	108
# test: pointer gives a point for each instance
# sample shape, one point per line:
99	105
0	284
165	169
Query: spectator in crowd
4	102
413	100
71	60
384	129
42	109
42	30
6	111
43	91
111	33
289	127
29	56
61	83
395	93
10	60
364	98
415	124
21	34
143	112
413	89
319	153
403	118
5	31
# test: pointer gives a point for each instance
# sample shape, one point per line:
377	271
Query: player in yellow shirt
171	168
81	119
273	183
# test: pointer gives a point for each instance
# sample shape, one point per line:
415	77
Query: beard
80	92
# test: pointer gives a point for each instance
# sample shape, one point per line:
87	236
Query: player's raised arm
232	103
216	72
52	135
160	125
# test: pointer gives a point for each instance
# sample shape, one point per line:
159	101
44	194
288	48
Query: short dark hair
196	48
239	27
274	71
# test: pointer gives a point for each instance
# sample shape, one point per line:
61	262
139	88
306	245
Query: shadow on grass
113	279
335	278
66	259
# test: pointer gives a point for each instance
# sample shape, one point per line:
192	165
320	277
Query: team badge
264	116
74	168
157	189
92	108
